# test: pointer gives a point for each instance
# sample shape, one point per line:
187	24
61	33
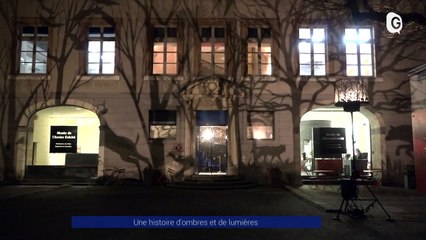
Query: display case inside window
260	125
162	124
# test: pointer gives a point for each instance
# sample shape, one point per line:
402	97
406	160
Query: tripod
351	201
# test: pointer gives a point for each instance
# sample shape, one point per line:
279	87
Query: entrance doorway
212	142
62	142
336	118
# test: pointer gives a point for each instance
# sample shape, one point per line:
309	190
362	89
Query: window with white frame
260	125
312	52
165	51
33	50
359	51
212	50
259	60
101	50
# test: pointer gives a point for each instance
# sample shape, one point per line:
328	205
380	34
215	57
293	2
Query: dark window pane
94	30
171	32
109	30
28	30
159	32
266	33
206	32
219	32
211	118
162	117
42	30
252	33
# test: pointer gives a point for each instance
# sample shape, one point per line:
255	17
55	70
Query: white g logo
393	23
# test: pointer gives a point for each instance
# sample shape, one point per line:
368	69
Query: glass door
212	149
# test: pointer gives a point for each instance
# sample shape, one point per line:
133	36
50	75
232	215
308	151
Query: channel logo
393	23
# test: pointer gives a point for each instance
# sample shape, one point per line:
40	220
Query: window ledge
260	78
370	79
32	77
336	78
167	140
378	79
316	78
163	77
98	77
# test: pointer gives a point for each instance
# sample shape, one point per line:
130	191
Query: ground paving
45	212
401	204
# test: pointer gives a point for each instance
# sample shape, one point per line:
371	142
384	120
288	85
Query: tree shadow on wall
402	133
269	154
124	147
268	158
394	167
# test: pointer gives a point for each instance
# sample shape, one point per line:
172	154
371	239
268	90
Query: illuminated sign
63	139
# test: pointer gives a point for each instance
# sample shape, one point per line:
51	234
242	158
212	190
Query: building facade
205	87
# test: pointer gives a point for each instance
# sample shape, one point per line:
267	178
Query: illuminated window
359	52
33	51
312	52
162	124
212	50
165	51
260	125
259	51
101	50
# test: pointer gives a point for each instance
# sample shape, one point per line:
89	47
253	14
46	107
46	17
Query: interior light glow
318	35
259	134
207	134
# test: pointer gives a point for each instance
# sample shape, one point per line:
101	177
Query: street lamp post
350	94
352	107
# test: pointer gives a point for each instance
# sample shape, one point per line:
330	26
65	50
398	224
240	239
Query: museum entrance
62	143
326	142
212	142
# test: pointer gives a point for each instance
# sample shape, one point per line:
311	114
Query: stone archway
25	150
213	93
375	146
378	135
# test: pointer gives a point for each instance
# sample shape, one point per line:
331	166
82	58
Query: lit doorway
333	117
212	150
59	134
212	142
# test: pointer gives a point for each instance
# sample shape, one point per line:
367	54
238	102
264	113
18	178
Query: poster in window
329	142
63	139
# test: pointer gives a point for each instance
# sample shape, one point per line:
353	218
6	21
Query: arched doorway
62	143
366	138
